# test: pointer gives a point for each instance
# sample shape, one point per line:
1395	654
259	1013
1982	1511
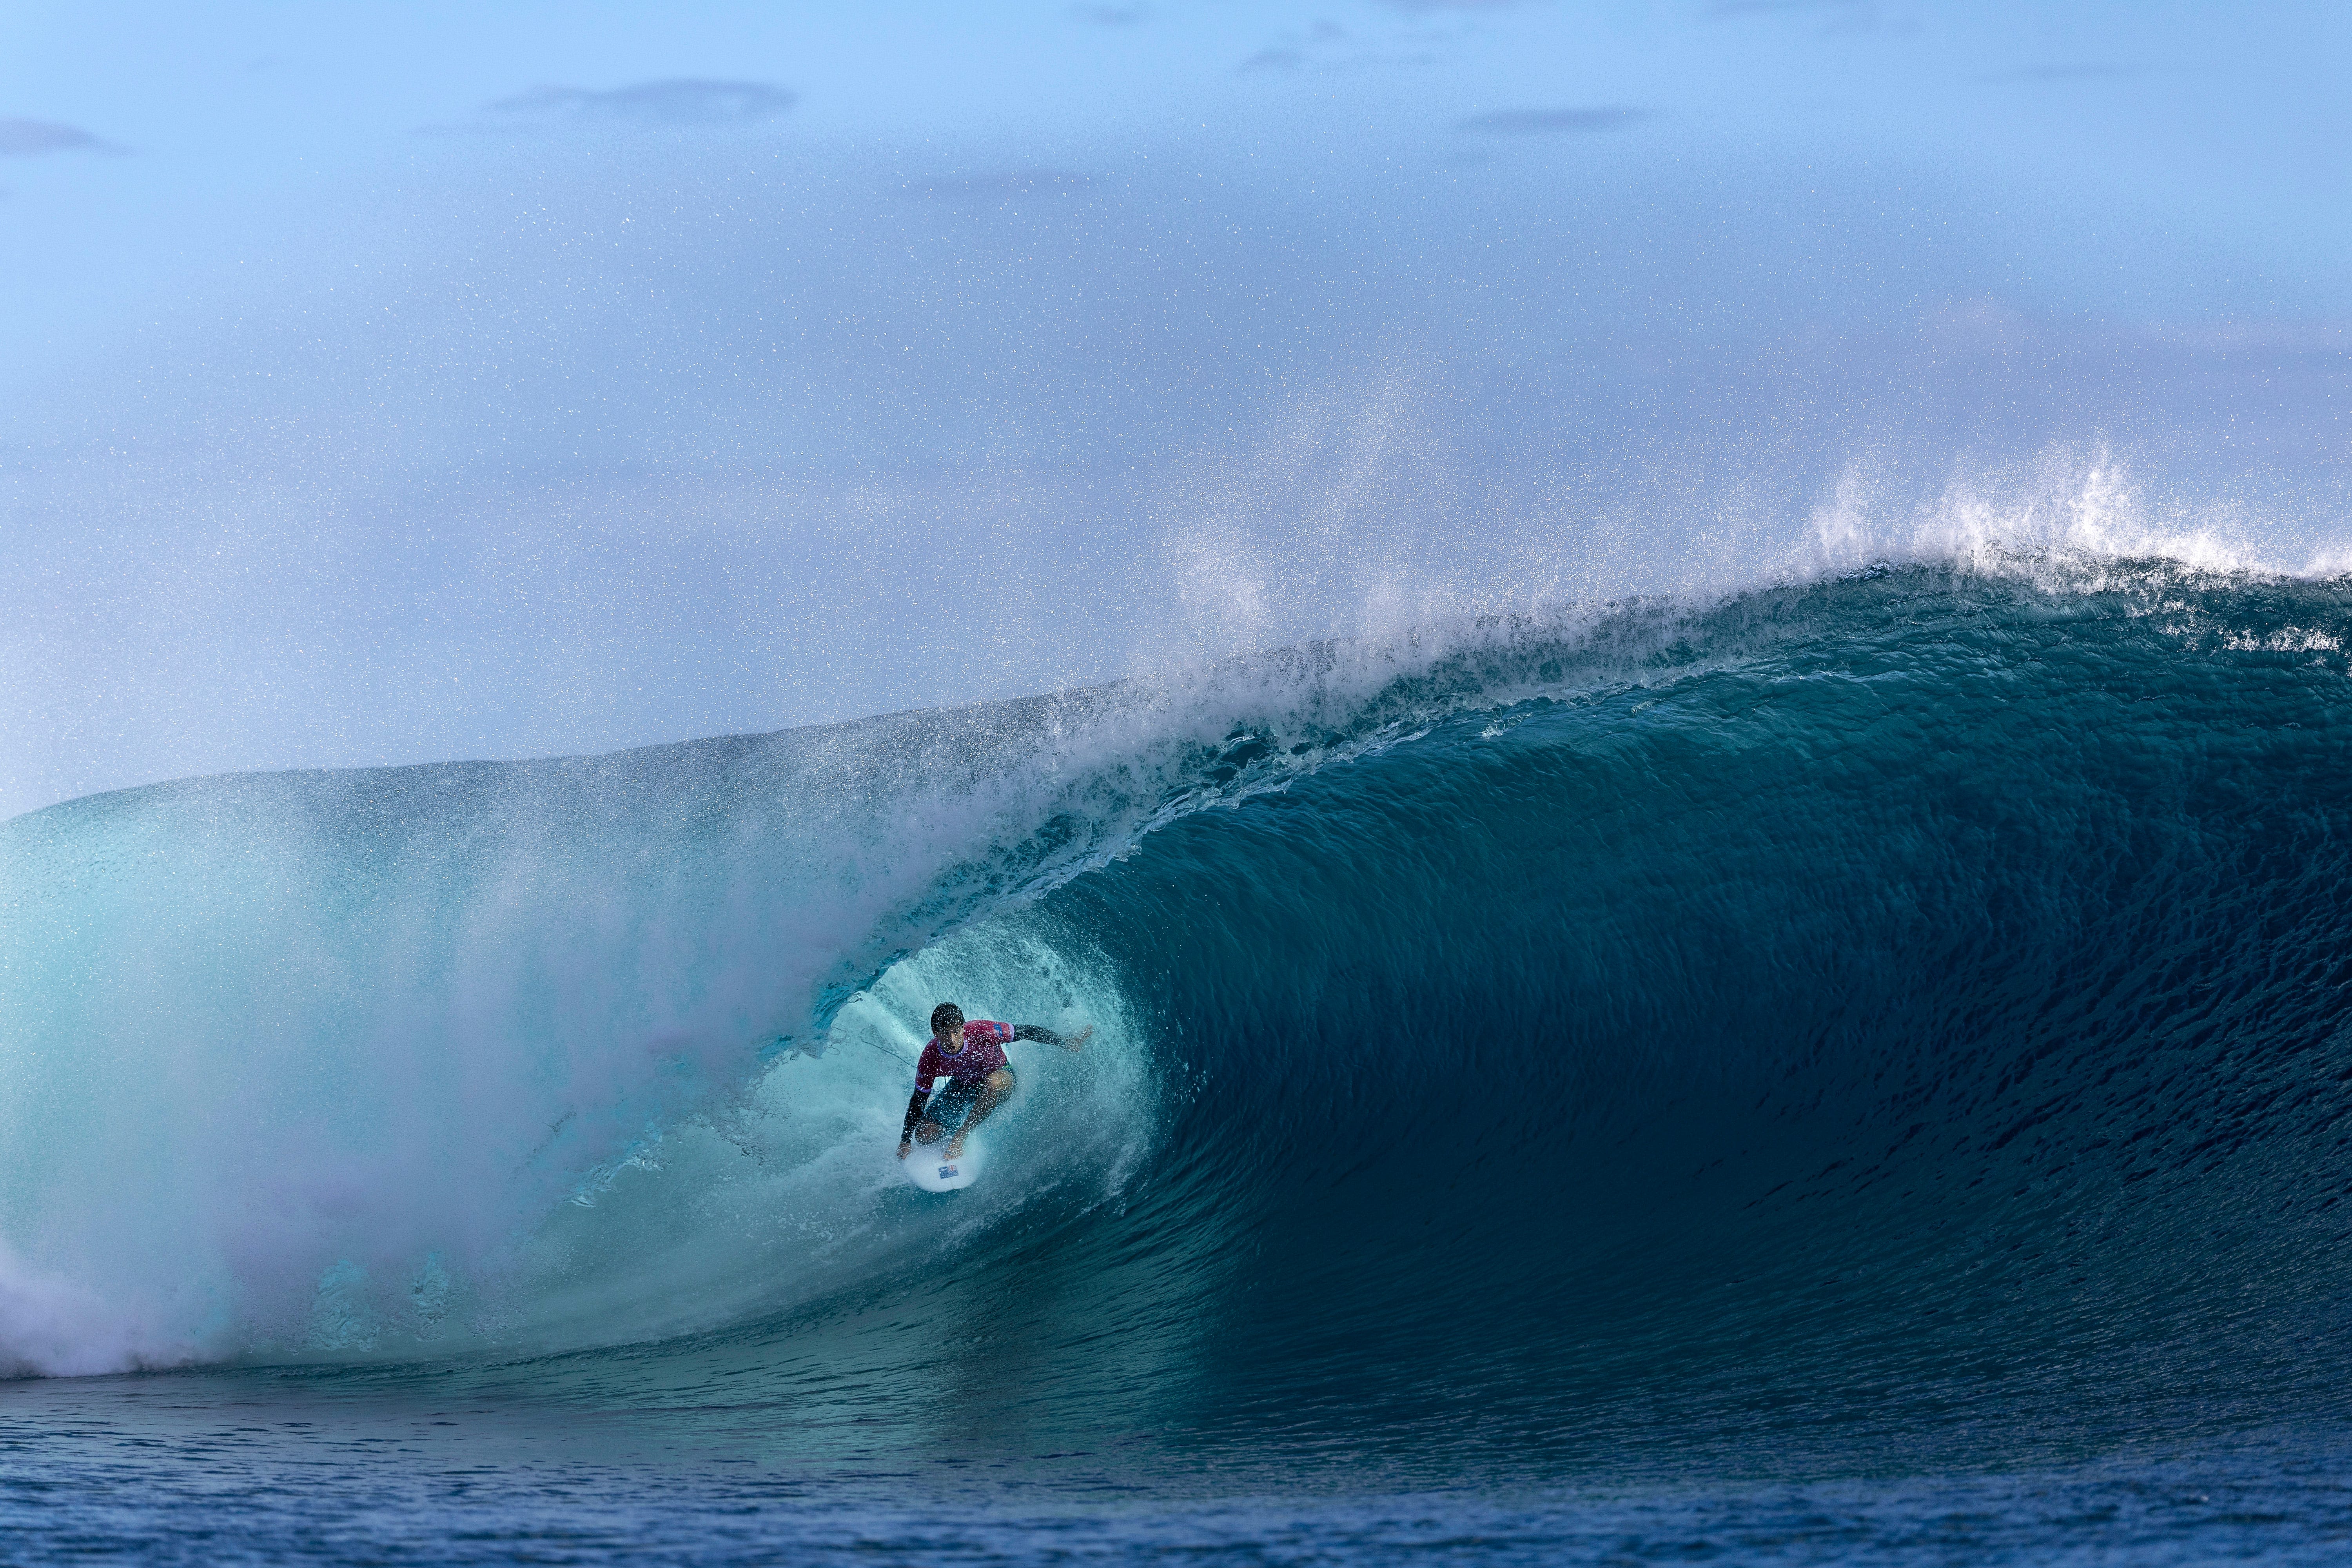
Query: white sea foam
50	1327
2072	519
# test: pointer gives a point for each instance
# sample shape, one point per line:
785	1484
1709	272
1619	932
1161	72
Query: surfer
971	1057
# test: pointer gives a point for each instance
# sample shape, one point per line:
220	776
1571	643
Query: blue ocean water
1855	1070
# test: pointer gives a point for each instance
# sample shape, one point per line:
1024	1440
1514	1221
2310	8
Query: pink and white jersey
982	1053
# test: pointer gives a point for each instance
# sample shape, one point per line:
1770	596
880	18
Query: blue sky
2216	129
385	384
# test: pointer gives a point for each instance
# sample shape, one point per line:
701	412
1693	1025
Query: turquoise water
1856	1069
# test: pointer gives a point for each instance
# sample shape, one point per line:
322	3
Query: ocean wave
1920	984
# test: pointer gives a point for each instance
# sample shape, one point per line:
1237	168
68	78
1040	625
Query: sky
388	384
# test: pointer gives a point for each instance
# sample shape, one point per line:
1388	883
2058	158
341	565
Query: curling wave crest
1908	999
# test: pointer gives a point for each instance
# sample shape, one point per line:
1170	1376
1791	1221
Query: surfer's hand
1078	1040
904	1144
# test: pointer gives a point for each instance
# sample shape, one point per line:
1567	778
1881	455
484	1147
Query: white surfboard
928	1167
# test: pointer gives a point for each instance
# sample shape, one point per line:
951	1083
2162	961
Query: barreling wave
1918	994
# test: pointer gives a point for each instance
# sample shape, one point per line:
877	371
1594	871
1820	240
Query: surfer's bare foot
954	1150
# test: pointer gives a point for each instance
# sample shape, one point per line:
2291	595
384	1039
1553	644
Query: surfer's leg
945	1111
992	1094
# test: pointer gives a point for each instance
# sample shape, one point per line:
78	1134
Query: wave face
1907	1010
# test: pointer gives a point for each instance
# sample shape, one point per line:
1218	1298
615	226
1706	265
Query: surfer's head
947	1024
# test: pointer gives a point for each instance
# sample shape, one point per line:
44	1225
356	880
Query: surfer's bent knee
1002	1080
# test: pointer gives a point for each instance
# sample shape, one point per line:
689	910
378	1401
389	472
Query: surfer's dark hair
945	1016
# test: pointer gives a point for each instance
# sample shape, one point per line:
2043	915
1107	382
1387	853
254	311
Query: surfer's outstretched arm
1039	1032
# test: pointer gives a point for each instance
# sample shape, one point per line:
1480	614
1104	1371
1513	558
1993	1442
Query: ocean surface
1856	1069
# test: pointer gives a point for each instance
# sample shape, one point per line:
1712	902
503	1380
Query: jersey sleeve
929	1068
